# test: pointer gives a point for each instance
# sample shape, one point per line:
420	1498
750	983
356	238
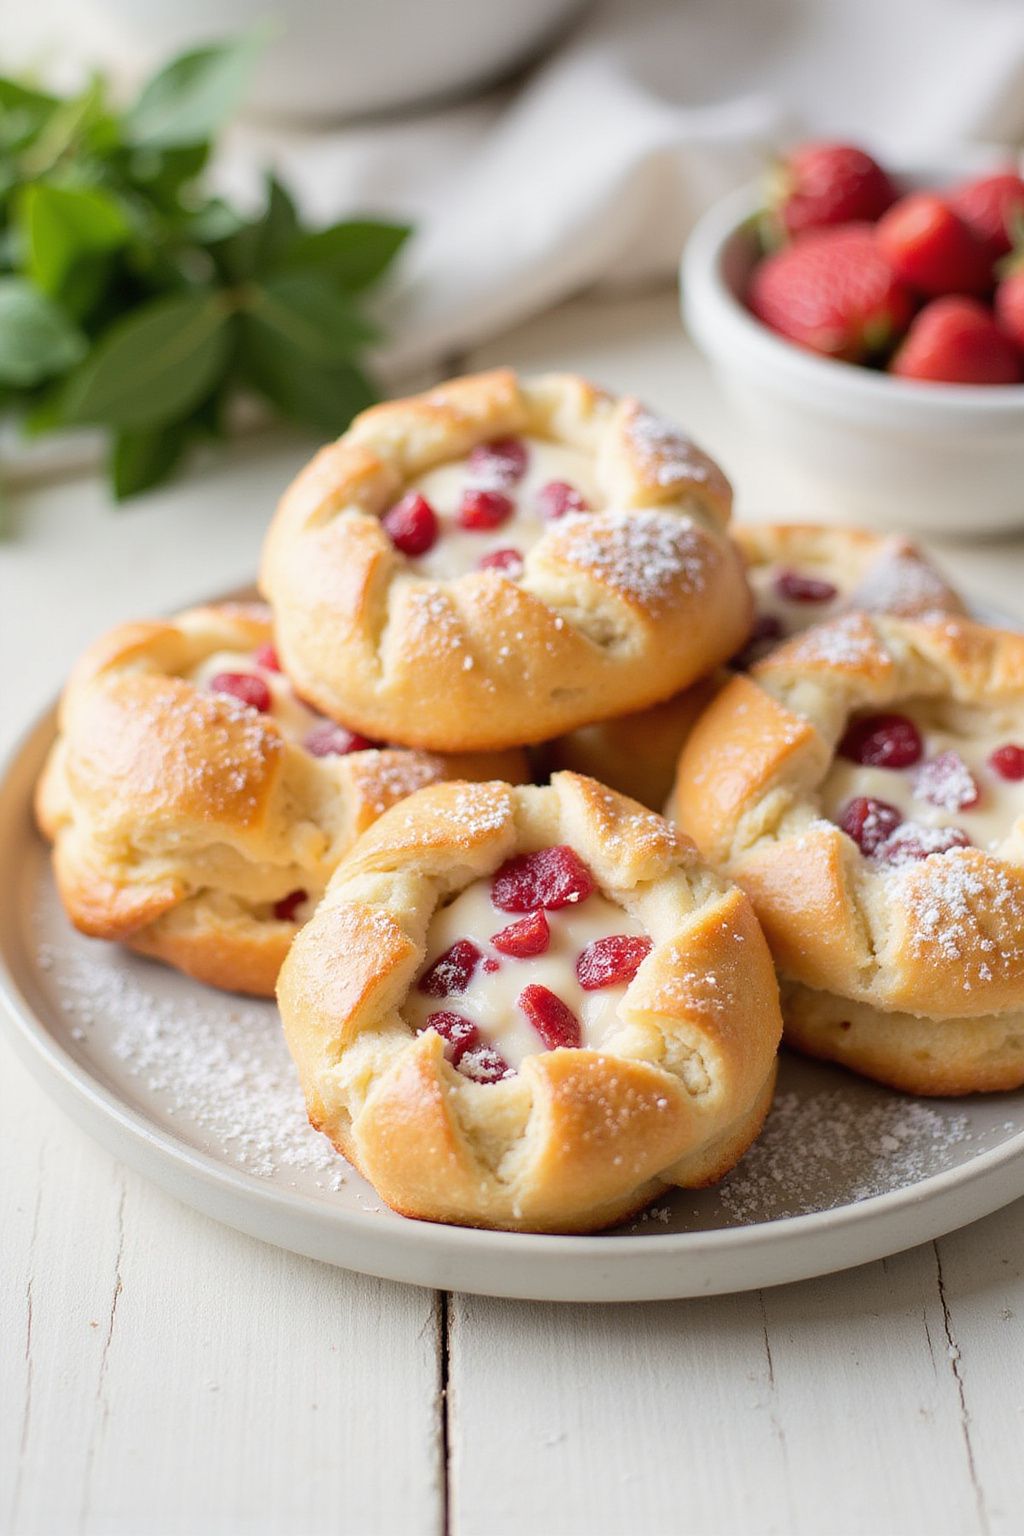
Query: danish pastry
197	806
500	560
531	1008
865	785
801	573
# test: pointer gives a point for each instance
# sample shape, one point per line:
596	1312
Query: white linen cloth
594	167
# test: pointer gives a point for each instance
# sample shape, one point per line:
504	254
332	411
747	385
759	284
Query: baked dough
616	607
669	1087
637	753
900	940
193	827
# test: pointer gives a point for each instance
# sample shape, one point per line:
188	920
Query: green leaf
37	341
139	460
304	313
354	254
66	234
190	99
23	112
323	398
259	243
155	365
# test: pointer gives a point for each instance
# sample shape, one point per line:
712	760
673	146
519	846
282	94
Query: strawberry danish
531	1008
800	574
865	785
502	559
197	805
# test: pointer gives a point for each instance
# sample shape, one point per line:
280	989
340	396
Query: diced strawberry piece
870	822
485	1065
459	1035
611	960
822	184
882	741
946	781
491	965
412	524
912	841
931	248
499	463
557	498
553	1020
285	909
452	972
795	587
766	630
833	291
1008	762
331	740
508	561
266	656
551	878
244	686
1009	306
480	511
530	936
991	206
956	341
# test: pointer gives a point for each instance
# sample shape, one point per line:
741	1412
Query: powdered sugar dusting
844	642
903	583
969	914
665	454
650	556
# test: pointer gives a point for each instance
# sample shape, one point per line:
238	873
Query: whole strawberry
956	341
931	248
991	206
818	185
1009	304
833	292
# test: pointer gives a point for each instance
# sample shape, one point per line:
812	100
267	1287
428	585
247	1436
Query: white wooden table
163	1376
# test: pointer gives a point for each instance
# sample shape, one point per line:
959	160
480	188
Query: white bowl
932	458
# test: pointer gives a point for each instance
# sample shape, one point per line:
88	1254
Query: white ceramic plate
195	1089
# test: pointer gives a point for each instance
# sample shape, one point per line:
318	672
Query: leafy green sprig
132	300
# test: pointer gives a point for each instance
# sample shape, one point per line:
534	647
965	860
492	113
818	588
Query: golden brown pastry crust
180	817
578	1138
616	609
864	949
637	753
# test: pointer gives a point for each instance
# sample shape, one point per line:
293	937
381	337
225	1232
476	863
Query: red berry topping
530	936
1009	306
330	740
485	1065
459	1035
499	463
946	781
481	511
870	822
246	686
412	524
766	630
609	961
911	842
452	972
820	184
266	656
991	206
882	741
509	561
956	341
557	498
794	587
551	878
285	909
833	292
1008	762
553	1020
931	248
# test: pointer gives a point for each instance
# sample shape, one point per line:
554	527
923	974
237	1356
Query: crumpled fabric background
594	165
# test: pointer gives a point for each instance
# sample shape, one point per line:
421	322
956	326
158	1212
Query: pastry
801	573
865	785
500	560
197	806
531	1008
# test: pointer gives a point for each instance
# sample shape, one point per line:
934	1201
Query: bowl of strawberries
871	323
